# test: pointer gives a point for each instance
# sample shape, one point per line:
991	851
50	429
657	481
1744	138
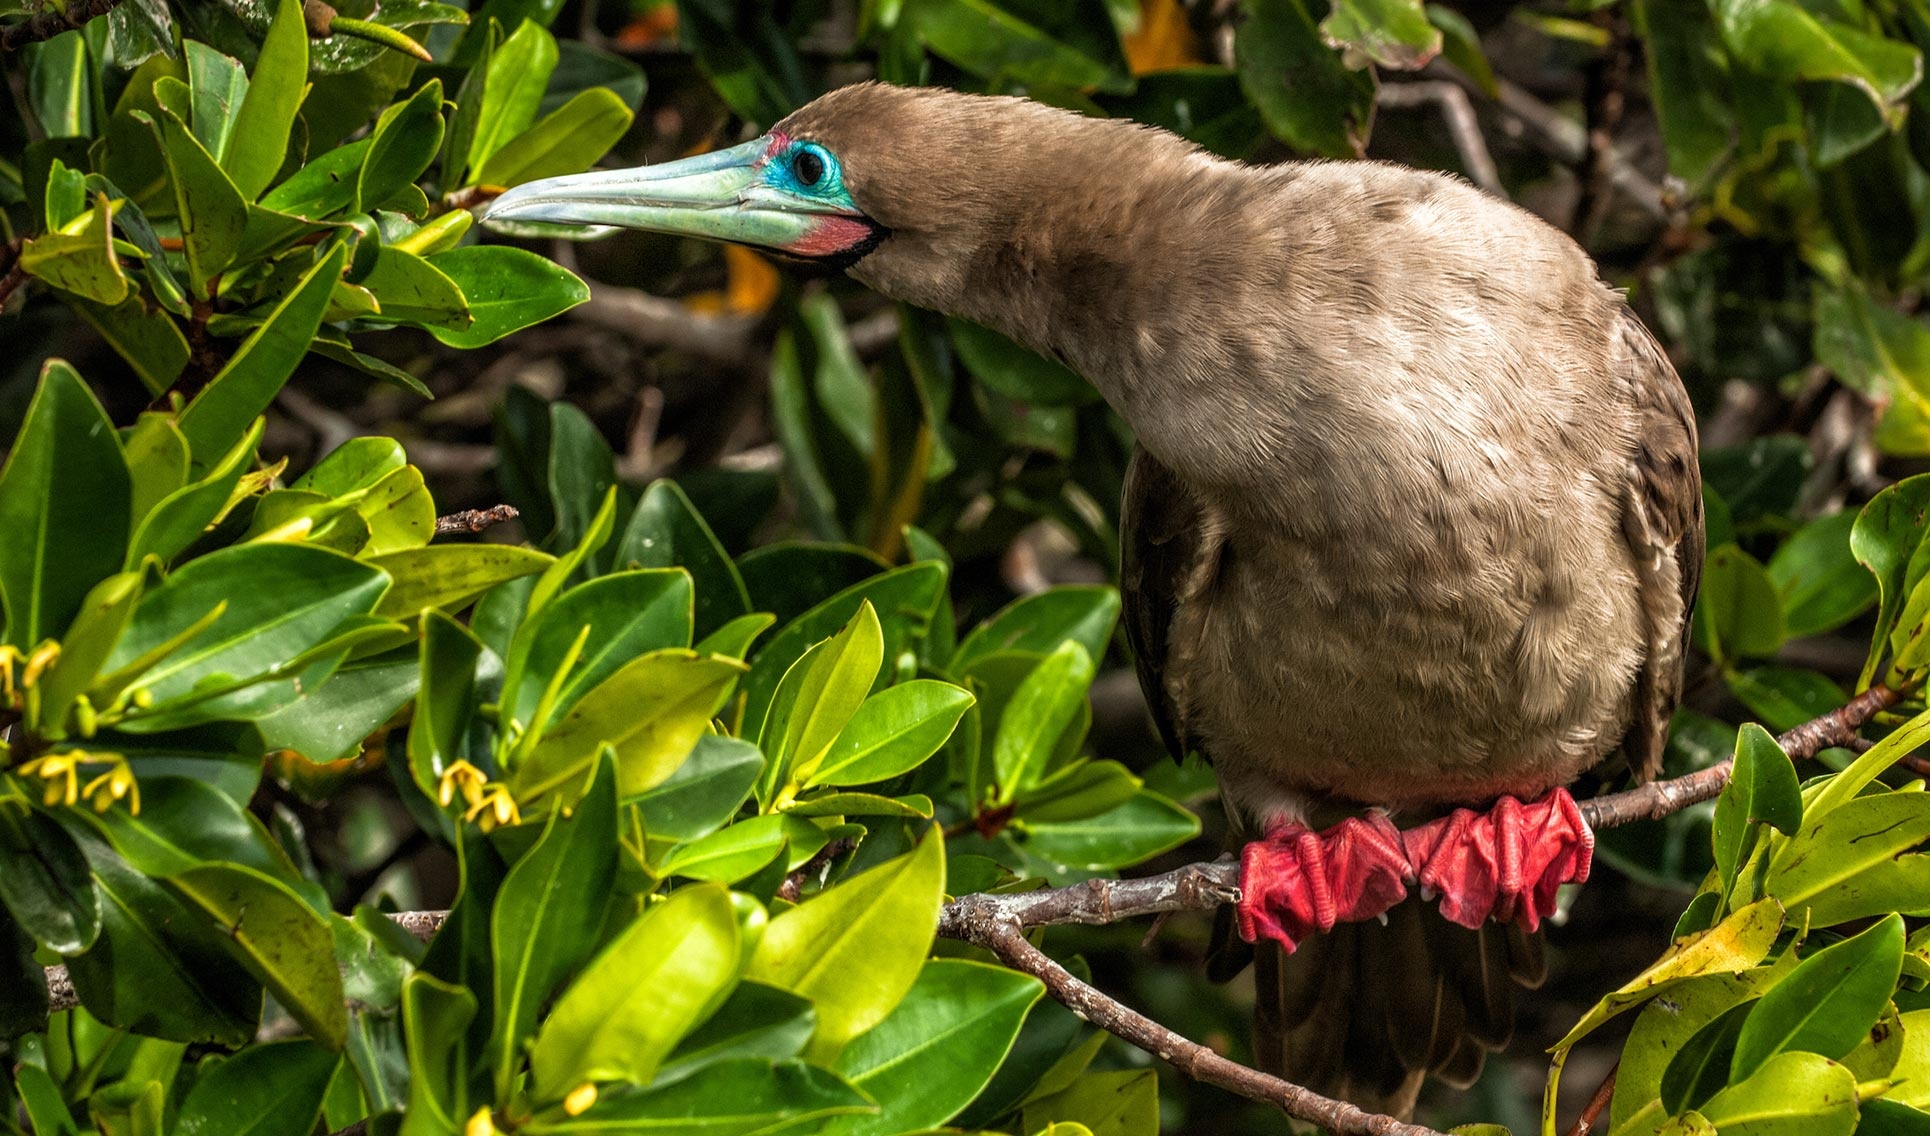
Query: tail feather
1369	1010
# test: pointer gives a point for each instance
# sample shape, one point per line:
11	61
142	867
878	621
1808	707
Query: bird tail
1369	1010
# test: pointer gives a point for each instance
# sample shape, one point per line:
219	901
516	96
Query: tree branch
997	922
47	25
475	520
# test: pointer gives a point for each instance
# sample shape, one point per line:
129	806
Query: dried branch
656	322
1592	1111
475	520
47	25
1458	112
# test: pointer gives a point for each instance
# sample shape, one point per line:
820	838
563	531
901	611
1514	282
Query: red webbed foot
1504	864
1296	881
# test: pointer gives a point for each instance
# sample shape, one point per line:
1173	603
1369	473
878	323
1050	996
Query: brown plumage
1414	519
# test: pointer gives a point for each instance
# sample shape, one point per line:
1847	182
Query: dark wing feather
1663	522
1162	539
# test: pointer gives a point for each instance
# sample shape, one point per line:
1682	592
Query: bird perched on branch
1412	528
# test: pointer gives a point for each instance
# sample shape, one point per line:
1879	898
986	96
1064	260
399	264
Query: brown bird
1414	522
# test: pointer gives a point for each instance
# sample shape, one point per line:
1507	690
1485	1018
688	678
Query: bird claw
1505	864
1296	881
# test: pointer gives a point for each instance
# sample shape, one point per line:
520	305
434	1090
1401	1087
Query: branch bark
47	25
998	923
475	520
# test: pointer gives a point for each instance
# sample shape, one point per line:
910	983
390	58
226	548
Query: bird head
904	186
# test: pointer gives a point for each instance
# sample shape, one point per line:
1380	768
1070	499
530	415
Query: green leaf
1309	98
518	72
1665	1025
1827	1004
1855	860
1855	777
704	792
1761	790
261	127
407	138
666	531
937	1048
755	1021
1912	1071
820	694
64	500
435	1020
1821	584
1885	1117
178	519
892	733
1793	1094
729	854
1701	1067
1784	697
274	603
1781	40
185	822
212	211
446	705
993	43
1044	704
60	79
451	576
216	88
1123	1102
1885	355
547	916
1740	614
568	140
731	1098
1146	825
44	881
1081	790
325	186
748	56
1736	944
221	413
507	289
1082	613
1686	86
146	337
857	947
411	290
80	260
650	712
1016	372
260	1091
278	939
667	971
626	613
1390	33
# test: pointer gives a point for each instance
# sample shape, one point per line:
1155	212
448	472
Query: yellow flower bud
481	1124
580	1099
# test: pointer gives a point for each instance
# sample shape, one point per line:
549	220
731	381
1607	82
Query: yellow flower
37	663
61	771
580	1099
116	784
9	655
481	1124
462	778
496	807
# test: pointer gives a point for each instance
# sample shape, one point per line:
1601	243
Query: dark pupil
809	167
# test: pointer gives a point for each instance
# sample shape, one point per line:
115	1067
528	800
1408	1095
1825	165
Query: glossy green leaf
222	412
755	1021
1146	825
1121	1102
212	211
1827	1004
1783	40
821	693
149	339
180	518
185	822
217	87
939	1046
1082	613
626	614
1740	613
666	531
730	1098
790	578
1081	790
893	732
507	289
568	140
857	947
278	939
623	1015
64	499
542	928
413	291
325	186
1858	775
451	576
1664	1026
262	125
59	86
1761	790
44	881
518	72
729	854
1885	539
1856	861
435	1019
1309	98
995	43
1886	1117
704	792
1784	697
262	1090
406	139
1701	1068
651	712
24	1000
274	602
446	705
1793	1094
1390	33
81	259
1039	711
1821	584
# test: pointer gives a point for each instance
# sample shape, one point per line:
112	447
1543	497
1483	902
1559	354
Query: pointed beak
722	196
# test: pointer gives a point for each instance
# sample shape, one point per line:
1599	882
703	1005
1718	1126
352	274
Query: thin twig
1458	113
47	25
475	520
1592	1111
656	322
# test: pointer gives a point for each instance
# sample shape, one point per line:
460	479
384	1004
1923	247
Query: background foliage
810	626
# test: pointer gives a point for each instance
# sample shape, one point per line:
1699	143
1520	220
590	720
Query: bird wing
1662	520
1166	553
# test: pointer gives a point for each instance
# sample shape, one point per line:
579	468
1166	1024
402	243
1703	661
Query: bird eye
808	165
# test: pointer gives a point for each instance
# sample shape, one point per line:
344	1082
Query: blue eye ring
809	164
